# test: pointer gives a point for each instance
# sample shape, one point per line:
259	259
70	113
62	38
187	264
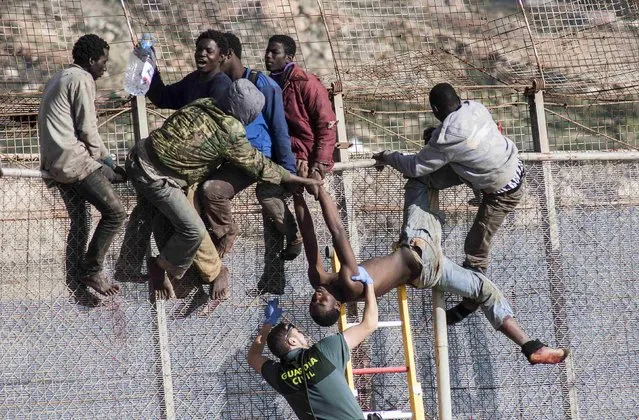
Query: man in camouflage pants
190	145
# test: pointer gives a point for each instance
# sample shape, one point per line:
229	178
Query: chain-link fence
63	358
565	258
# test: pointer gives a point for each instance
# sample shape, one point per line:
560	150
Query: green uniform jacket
198	138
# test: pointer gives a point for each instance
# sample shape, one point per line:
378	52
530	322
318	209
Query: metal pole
524	156
552	243
165	360
579	156
23	173
141	131
370	163
344	189
140	121
440	329
538	117
444	399
341	157
128	22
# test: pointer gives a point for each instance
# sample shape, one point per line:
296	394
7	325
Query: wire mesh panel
575	124
387	55
65	355
54	344
177	25
392	53
532	270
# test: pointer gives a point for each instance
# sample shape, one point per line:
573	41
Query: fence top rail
525	156
23	173
369	163
578	156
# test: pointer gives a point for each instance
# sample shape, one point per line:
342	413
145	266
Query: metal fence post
344	189
440	329
140	122
550	229
141	131
342	155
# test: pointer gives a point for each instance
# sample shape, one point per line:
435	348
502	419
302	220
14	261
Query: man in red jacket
309	113
311	127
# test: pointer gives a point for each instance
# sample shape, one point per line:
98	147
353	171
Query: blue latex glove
363	276
272	312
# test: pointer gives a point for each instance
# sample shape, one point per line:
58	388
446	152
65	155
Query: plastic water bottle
140	68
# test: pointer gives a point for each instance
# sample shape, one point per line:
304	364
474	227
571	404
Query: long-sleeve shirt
197	139
268	133
310	116
470	142
179	94
70	145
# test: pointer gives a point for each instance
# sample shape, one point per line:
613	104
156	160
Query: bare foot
101	284
160	283
220	286
548	356
219	292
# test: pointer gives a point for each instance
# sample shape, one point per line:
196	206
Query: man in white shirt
73	153
466	148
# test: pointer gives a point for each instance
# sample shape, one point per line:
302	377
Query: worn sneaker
292	250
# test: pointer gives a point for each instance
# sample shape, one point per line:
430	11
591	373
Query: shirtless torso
396	269
389	271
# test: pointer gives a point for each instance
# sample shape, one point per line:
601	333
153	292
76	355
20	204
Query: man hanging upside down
418	262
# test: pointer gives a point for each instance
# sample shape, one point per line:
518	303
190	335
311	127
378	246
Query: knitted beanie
243	101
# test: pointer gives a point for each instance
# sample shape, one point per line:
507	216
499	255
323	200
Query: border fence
559	76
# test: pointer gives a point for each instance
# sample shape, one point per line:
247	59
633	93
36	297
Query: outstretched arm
254	357
316	273
357	333
307	229
272	313
250	160
429	159
338	233
171	96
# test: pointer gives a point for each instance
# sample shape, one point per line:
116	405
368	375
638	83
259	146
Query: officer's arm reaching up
272	313
357	333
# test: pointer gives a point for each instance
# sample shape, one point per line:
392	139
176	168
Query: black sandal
530	347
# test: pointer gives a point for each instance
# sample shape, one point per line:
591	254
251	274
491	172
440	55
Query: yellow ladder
414	387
